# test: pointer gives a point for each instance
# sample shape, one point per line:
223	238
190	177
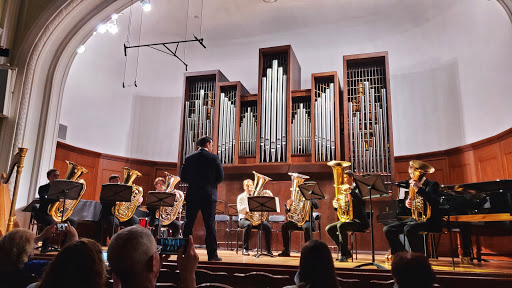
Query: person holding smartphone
154	222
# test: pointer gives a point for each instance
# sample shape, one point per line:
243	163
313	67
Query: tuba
420	210
299	211
259	181
55	210
168	214
342	199
124	210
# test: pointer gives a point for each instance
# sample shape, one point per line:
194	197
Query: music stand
262	204
159	199
370	185
113	193
311	191
64	190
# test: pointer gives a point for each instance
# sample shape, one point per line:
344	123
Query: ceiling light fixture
110	26
80	49
146	5
269	1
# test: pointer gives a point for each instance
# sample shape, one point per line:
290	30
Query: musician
107	217
202	171
338	231
292	226
154	222
244	223
411	228
42	215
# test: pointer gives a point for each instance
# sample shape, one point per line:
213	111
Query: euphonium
420	210
168	214
299	211
73	173
259	181
124	210
342	199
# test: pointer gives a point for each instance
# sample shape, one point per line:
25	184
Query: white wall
449	62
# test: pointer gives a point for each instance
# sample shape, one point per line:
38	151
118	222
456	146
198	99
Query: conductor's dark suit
202	171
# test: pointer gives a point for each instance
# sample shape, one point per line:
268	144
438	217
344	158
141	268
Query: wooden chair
223	219
262	279
349	283
168	276
205	276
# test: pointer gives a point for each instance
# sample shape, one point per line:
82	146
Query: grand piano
485	206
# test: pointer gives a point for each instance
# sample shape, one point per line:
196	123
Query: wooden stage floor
441	264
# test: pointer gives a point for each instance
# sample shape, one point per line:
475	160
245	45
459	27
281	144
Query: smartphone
104	254
171	245
61	226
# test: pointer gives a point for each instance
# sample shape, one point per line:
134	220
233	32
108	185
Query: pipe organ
324	126
226	137
248	126
198	113
301	128
282	124
368	139
273	113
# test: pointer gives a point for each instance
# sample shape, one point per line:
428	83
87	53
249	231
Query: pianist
411	227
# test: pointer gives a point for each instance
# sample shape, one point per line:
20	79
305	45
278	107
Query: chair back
262	279
208	277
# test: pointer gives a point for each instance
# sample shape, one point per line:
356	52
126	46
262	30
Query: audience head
412	270
78	264
15	248
133	257
159	184
52	174
204	142
114	178
316	265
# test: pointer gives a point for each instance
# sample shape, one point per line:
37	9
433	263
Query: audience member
412	270
134	260
15	249
78	264
316	268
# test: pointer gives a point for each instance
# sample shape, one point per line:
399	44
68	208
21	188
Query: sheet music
402	192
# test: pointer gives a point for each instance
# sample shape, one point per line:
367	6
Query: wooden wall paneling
506	151
488	162
461	168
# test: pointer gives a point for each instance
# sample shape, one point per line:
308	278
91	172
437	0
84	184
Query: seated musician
154	222
107	217
429	191
338	231
244	223
289	226
42	215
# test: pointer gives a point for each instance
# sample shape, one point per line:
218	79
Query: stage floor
441	264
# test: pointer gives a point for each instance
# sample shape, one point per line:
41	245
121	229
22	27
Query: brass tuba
420	210
74	172
299	211
259	181
124	210
342	199
168	214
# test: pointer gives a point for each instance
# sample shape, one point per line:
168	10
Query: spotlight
115	16
102	28
146	5
80	49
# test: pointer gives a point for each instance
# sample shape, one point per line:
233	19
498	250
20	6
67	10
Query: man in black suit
202	171
42	216
411	228
338	230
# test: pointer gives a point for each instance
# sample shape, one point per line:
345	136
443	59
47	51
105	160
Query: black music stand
371	185
159	199
262	204
64	190
113	193
311	191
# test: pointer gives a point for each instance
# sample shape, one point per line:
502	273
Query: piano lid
478	187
